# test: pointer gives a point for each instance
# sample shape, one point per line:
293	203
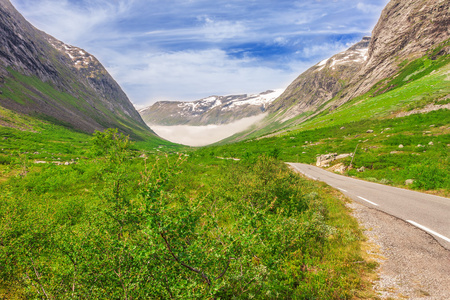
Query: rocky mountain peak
321	82
406	30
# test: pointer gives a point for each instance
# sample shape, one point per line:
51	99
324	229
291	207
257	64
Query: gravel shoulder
413	265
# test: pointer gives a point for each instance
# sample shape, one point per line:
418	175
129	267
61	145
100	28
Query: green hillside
414	113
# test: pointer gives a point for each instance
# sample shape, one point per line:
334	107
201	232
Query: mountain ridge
212	110
44	77
410	40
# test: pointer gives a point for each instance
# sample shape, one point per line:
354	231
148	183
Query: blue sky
190	49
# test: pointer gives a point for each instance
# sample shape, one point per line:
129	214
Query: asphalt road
427	212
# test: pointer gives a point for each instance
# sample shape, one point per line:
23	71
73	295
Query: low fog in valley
197	136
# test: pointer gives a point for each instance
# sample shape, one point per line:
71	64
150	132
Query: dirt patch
426	109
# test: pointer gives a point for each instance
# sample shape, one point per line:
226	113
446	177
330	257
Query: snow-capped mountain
211	110
321	82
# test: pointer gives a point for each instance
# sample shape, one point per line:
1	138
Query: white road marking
342	190
429	230
367	201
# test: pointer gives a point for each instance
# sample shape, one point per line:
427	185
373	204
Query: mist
197	136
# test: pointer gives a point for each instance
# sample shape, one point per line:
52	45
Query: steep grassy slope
419	83
406	30
45	78
410	138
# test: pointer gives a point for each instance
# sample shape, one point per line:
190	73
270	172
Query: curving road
427	212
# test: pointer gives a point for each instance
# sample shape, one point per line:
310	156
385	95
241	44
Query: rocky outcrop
77	91
322	82
212	110
325	160
406	30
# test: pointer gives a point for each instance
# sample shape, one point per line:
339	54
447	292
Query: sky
187	50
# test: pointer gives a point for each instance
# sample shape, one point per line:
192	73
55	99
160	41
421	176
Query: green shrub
5	160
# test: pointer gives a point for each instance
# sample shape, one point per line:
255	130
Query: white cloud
280	40
197	136
191	75
66	20
368	8
220	30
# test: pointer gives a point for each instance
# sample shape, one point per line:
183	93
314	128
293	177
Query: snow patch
257	100
323	62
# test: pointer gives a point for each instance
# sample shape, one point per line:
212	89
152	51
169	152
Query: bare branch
183	264
38	278
226	269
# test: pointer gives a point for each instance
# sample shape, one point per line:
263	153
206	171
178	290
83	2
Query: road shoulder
413	265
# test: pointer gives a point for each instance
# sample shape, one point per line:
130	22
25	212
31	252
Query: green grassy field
120	221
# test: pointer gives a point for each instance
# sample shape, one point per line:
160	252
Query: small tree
111	143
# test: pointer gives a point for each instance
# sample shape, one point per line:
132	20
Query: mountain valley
96	202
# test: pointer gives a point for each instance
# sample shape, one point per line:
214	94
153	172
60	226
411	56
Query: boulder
325	159
409	181
338	168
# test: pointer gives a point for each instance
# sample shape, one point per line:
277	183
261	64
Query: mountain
410	41
406	30
46	78
321	83
211	110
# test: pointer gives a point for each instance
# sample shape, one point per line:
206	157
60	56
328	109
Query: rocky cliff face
408	35
322	82
77	90
211	110
407	29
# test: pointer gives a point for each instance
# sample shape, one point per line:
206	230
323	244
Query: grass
274	233
378	152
